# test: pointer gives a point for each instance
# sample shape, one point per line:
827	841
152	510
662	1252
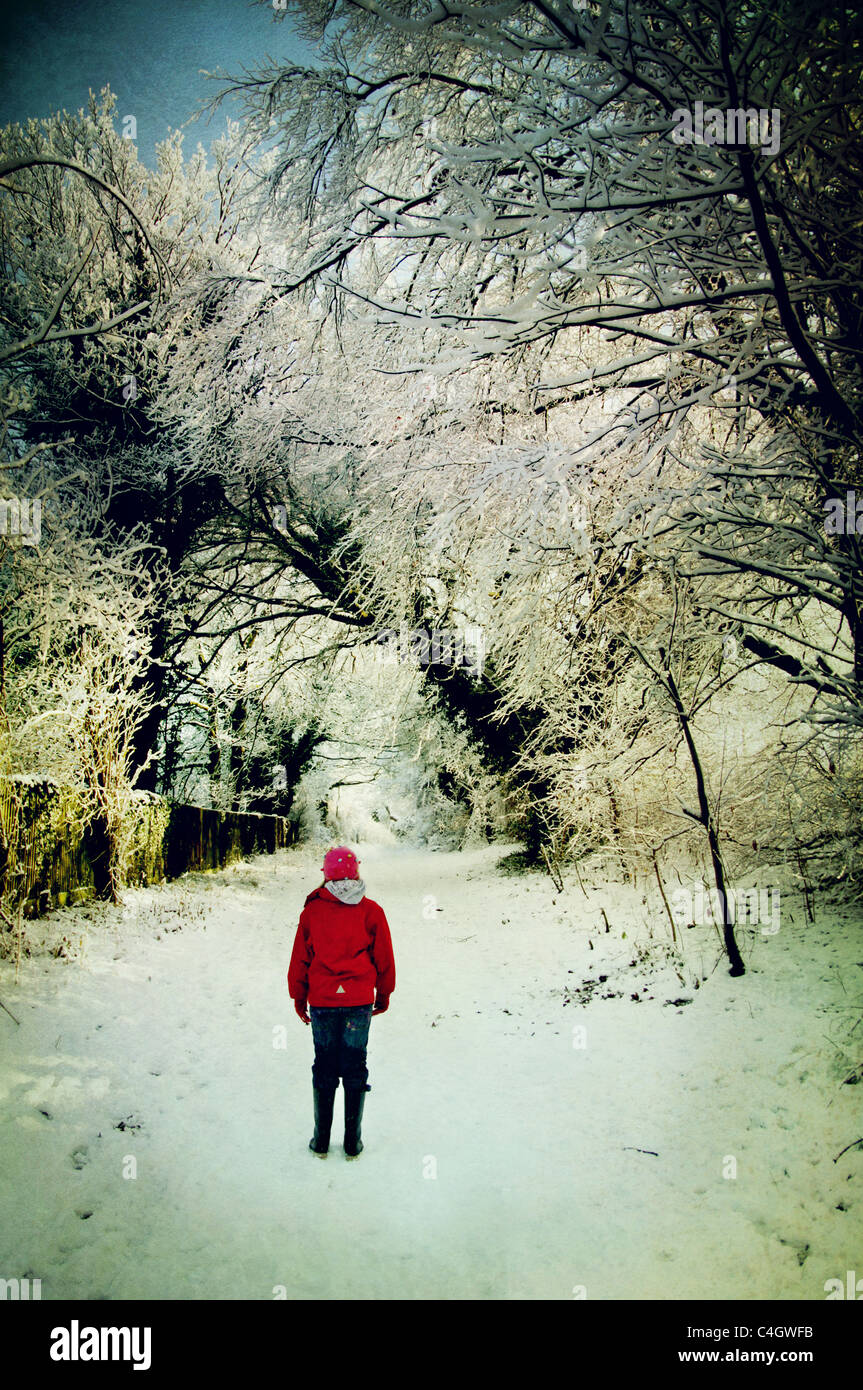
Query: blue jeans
341	1037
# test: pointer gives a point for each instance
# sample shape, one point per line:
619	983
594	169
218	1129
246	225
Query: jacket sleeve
382	953
301	958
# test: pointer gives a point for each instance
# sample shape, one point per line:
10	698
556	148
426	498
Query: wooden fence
49	855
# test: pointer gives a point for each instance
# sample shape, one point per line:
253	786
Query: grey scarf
347	890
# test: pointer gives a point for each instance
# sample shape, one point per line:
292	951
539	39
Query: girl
341	973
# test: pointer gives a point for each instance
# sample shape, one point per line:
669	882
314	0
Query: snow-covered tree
95	247
655	198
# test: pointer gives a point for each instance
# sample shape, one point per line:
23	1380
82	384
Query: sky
149	52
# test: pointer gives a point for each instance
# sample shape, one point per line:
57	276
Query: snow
502	1159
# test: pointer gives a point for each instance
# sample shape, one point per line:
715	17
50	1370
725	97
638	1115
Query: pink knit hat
341	863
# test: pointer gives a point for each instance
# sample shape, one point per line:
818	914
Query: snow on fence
49	853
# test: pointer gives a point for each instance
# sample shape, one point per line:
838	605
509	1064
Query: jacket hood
347	890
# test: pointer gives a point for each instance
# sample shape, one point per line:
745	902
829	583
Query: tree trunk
706	819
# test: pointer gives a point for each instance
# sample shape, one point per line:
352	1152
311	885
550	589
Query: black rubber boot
324	1101
355	1099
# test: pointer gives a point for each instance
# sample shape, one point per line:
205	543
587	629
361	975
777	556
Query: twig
553	872
664	899
847	1147
806	888
632	1149
10	1013
578	876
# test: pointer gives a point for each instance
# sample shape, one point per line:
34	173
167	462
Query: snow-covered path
504	1148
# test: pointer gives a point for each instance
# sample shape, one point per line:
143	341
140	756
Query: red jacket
342	953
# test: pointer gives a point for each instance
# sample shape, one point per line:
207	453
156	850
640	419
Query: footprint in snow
80	1157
